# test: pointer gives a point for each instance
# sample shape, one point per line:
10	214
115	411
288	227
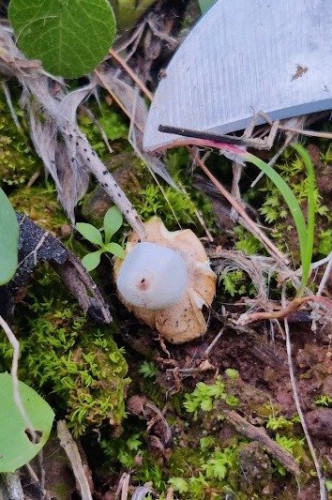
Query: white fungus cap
153	276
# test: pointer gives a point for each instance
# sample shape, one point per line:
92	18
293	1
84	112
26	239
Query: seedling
112	222
148	369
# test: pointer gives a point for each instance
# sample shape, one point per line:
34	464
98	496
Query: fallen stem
293	306
16	389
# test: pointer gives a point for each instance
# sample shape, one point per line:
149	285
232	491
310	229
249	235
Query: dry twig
293	306
296	397
71	449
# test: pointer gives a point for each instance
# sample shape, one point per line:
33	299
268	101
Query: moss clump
74	364
40	205
17	160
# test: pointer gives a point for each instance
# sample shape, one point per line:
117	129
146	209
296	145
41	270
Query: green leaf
91	260
291	201
306	257
70	37
328	484
114	249
205	5
112	222
9	231
128	12
16	449
305	232
90	233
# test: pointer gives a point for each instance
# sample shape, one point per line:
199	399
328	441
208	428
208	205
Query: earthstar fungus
166	280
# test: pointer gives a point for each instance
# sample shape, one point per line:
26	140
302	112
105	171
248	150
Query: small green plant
204	396
206	443
148	369
293	445
123	450
170	206
109	119
305	231
324	400
328	484
232	373
128	12
275	423
219	463
179	484
112	222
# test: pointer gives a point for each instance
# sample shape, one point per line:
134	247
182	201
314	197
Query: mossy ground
86	375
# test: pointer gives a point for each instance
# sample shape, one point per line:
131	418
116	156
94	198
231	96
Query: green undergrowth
18	162
177	208
108	119
276	215
40	204
208	458
71	361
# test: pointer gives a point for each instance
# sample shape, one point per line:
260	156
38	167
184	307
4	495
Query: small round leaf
16	448
91	260
115	249
9	240
113	220
90	233
70	37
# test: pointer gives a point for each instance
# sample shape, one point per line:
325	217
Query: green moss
17	159
40	205
174	207
72	362
110	120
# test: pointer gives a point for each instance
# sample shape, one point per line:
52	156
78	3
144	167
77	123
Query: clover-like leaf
114	249
9	231
90	233
70	37
16	446
113	220
91	260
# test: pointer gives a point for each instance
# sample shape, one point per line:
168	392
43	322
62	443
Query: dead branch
71	449
37	246
293	306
